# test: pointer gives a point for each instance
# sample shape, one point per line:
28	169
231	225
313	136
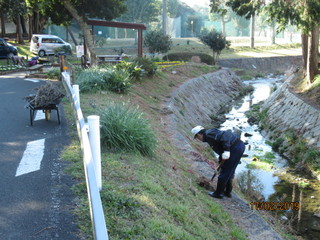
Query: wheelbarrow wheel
47	114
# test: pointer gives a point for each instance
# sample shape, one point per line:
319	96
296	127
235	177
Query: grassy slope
153	198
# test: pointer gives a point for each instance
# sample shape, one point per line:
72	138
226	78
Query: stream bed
295	199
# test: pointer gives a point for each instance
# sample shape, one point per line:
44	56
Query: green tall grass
125	129
97	79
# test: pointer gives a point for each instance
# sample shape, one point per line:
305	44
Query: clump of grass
53	73
118	81
125	129
107	78
265	162
92	79
147	66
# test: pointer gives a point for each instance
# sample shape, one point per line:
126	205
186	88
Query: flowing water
296	206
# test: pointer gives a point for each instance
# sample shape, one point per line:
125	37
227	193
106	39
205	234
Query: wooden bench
109	58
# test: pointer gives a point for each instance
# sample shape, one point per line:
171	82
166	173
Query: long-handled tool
217	170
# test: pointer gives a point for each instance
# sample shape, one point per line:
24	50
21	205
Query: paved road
36	200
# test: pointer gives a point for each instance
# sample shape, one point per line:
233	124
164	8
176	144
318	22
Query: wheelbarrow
45	109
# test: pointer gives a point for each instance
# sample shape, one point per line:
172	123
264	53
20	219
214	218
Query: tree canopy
142	11
216	41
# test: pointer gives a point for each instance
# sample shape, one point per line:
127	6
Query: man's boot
228	190
220	188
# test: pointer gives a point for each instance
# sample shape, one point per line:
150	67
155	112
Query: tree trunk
30	26
164	16
85	30
23	25
3	26
19	32
214	58
223	26
36	22
273	37
313	45
304	42
252	31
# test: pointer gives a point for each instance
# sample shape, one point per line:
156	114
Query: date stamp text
274	206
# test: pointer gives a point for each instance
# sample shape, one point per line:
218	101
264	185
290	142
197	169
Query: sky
191	3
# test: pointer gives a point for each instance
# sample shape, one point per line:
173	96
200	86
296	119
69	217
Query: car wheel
42	53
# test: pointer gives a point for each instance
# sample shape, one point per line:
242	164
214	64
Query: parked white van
43	45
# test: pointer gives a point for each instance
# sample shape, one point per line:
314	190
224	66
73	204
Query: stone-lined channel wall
197	102
263	65
287	111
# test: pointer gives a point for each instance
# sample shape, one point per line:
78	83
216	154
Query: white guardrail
91	159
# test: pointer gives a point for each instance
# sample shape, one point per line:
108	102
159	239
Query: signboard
80	50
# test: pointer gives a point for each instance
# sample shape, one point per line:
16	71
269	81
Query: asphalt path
37	203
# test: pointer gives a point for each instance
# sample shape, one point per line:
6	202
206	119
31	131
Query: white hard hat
196	130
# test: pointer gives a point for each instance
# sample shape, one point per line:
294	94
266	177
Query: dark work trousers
230	165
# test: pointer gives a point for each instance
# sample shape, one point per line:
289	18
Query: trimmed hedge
186	56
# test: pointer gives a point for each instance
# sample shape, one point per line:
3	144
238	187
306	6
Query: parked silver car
43	45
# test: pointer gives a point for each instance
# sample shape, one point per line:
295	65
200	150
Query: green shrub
186	56
107	78
53	73
118	81
147	65
157	42
134	70
125	129
277	143
216	41
92	79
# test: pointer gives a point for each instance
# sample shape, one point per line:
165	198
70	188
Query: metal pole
94	139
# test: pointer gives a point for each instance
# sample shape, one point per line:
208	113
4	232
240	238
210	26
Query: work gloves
225	155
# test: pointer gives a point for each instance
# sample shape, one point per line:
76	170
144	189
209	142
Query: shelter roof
117	24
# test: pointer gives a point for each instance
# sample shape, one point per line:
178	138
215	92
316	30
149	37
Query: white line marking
32	157
32	80
39	115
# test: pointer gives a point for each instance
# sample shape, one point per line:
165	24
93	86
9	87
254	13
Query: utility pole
164	16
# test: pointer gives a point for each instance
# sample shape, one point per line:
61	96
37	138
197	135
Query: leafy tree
247	9
81	10
157	42
216	41
142	11
15	9
222	12
240	23
304	14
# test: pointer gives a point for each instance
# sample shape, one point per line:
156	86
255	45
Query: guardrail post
67	78
76	91
94	138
